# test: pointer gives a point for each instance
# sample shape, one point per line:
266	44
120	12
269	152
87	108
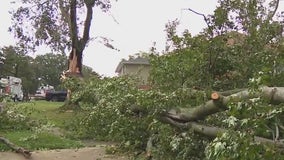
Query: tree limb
212	132
204	17
73	20
16	148
149	147
276	132
65	15
274	94
86	33
270	16
197	113
200	14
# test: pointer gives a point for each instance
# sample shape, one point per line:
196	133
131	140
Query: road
88	153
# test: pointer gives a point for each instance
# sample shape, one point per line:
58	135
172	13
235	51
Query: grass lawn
49	113
26	139
45	110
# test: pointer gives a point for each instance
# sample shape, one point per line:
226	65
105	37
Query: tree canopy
61	25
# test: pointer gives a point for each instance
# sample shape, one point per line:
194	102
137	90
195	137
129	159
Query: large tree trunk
74	67
75	62
78	44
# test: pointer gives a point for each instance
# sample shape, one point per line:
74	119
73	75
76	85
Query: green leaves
243	49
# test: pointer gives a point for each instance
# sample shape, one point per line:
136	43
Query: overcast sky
140	23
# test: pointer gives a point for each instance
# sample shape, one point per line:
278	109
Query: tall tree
58	24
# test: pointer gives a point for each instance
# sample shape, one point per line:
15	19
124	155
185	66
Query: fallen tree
140	119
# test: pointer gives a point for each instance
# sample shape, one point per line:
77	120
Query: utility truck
12	86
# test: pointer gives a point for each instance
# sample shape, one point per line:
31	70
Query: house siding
141	71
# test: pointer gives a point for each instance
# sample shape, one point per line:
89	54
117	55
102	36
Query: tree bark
75	62
78	44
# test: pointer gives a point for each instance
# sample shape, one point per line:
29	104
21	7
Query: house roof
138	61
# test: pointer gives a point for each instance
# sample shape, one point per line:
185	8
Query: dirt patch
88	153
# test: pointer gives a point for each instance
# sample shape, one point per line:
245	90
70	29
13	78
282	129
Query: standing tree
57	24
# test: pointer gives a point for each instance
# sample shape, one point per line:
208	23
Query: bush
14	117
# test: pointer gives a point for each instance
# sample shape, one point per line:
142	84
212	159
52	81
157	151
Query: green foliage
48	68
15	118
117	110
239	145
36	125
46	112
36	23
34	72
176	70
18	64
245	121
241	48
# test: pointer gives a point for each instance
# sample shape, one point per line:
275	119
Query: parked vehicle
12	86
56	96
41	92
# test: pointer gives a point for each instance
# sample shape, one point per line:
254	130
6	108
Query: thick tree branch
270	16
87	25
73	20
212	132
149	147
16	148
197	113
274	94
65	15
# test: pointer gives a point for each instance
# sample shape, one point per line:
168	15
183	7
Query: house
139	67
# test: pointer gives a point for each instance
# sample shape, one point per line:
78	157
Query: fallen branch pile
188	118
